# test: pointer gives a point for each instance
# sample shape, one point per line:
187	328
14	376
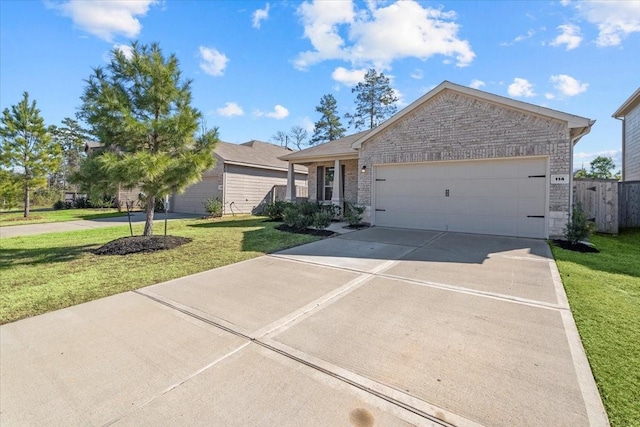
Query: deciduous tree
298	135
139	107
375	101
27	148
328	127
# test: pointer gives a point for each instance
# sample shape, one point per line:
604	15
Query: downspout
624	145
574	141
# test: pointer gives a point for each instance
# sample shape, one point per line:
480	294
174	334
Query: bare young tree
298	134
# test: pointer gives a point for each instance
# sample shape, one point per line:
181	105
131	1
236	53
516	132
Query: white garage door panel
490	197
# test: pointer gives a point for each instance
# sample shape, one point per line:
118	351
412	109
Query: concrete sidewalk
375	327
56	227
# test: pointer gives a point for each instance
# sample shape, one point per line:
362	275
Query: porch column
290	194
337	197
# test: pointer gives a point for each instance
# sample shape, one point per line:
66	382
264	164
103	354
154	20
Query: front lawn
37	216
52	271
604	294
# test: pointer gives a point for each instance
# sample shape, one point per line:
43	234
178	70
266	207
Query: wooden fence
609	203
629	204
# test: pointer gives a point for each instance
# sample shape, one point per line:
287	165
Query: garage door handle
537	176
381	210
535	216
380	179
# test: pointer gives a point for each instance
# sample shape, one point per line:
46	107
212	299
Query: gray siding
631	165
193	198
453	126
248	189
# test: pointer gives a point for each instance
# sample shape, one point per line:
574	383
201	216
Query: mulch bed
140	244
321	233
580	247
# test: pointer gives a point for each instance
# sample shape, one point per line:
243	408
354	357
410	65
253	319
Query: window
325	182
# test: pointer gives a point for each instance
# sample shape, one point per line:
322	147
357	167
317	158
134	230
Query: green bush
578	227
45	197
308	208
213	207
291	215
333	210
59	204
353	213
276	209
322	220
82	203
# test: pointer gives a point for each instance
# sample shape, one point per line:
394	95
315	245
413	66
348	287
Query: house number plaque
560	179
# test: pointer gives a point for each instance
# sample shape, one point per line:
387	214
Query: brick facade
350	179
455	126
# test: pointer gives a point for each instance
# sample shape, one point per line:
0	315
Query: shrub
59	204
333	210
322	220
101	202
290	215
578	227
82	203
45	197
353	213
307	208
213	207
276	209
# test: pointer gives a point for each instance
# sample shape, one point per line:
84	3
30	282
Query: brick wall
453	126
632	142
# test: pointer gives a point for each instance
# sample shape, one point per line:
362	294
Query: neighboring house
629	113
457	159
122	195
243	178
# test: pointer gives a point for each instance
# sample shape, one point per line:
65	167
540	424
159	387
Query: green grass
37	216
52	271
604	294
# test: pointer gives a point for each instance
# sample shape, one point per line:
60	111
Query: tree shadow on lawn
234	223
16	257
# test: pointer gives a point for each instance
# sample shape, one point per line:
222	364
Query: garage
194	196
503	197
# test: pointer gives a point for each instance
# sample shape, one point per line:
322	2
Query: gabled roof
582	125
255	154
628	105
332	149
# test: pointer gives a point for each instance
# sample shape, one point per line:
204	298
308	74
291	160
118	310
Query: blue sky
259	67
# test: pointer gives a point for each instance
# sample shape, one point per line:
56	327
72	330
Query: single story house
243	178
629	113
457	159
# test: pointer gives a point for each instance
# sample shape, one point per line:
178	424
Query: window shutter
320	184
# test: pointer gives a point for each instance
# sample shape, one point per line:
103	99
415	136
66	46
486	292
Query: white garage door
503	197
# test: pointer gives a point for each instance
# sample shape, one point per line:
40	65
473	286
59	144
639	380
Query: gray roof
255	154
336	148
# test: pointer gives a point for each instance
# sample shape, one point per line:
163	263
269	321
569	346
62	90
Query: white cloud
567	85
212	62
583	159
308	124
519	38
106	19
230	109
260	15
476	84
417	74
279	112
348	77
569	36
376	36
125	49
400	96
521	87
615	19
549	95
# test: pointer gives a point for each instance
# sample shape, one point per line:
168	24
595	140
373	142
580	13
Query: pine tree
328	127
71	138
375	101
27	147
140	109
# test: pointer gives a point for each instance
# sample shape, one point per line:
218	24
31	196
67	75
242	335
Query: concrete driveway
376	327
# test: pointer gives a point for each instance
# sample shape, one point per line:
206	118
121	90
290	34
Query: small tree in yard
140	109
26	147
578	228
375	101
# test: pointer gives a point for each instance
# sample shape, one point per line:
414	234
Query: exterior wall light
364	169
